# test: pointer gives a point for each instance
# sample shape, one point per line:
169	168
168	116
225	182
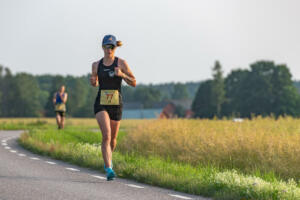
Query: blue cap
109	39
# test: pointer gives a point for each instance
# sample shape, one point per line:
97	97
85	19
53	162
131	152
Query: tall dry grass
259	145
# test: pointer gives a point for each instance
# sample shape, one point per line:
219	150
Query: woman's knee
106	138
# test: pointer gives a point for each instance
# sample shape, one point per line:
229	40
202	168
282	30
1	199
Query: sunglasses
109	46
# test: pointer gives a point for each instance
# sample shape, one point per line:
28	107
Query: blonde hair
119	43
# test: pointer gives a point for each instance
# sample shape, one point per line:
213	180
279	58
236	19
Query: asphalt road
24	175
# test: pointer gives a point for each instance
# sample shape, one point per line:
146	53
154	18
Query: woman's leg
115	125
104	124
62	121
58	119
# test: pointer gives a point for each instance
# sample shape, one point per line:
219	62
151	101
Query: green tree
77	90
87	110
1	84
180	92
26	96
235	93
45	81
259	97
147	95
218	88
286	95
9	89
264	90
202	104
128	93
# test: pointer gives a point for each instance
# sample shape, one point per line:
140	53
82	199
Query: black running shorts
114	112
61	113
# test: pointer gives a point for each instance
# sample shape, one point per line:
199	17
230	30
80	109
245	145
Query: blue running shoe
110	174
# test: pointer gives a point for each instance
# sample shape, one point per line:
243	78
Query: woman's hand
118	71
94	81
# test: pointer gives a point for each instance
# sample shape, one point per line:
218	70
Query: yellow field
263	144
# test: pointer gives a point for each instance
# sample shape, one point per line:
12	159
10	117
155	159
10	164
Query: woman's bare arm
54	98
94	76
125	73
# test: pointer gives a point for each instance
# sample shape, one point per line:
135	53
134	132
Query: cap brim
106	43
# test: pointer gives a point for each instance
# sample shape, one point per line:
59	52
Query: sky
163	40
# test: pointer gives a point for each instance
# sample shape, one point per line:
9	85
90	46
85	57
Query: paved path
24	175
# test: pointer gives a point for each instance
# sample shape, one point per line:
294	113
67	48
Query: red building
170	108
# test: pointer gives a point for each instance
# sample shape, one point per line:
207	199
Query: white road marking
73	169
7	147
100	177
34	158
4	144
13	151
4	141
134	186
51	163
22	155
179	196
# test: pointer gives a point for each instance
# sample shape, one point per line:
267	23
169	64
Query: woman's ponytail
119	43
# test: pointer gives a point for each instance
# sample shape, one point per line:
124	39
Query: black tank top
107	78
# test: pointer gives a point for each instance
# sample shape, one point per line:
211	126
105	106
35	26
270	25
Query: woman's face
109	49
62	89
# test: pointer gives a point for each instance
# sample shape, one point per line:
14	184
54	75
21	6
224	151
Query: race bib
109	97
60	107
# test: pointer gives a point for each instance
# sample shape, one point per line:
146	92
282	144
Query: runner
108	74
59	101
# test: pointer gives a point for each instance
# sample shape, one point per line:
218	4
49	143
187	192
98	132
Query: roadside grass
30	123
80	146
23	124
74	135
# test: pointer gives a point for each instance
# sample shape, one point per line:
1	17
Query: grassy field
255	159
254	146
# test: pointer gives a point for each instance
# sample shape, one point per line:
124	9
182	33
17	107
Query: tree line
266	89
26	95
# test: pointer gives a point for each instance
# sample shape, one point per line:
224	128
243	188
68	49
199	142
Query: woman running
108	74
59	101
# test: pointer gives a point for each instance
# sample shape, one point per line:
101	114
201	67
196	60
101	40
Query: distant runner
108	74
59	101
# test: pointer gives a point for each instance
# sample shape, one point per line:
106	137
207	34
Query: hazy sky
164	40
